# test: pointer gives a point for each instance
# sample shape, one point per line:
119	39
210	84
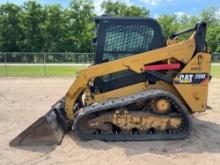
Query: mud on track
24	100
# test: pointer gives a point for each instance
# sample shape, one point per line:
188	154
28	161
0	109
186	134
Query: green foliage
169	24
54	29
121	9
209	15
213	33
33	17
213	37
10	27
32	27
172	23
80	26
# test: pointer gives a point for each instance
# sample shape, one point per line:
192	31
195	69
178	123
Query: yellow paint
195	95
181	51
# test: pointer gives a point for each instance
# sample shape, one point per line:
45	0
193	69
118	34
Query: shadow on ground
204	138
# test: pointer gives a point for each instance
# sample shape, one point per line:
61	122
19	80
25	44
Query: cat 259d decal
192	78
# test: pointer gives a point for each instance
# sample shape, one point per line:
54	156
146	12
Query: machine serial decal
192	78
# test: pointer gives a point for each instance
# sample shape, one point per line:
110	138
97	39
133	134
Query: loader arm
135	63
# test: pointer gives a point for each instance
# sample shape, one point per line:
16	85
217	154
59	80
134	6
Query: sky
157	7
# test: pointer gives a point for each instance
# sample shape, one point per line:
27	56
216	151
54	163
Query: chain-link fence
43	64
49	64
216	57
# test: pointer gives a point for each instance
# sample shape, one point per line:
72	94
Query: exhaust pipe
47	130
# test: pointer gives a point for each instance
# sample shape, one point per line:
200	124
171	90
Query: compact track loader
140	87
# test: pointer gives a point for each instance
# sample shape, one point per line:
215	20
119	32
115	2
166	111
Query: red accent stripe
163	67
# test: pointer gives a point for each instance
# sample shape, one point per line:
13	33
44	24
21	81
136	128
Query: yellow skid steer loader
140	87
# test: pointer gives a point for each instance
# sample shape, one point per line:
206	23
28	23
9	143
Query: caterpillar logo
185	78
192	78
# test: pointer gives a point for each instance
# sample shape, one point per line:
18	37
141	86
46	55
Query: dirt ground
22	101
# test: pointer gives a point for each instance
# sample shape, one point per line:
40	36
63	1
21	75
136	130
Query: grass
38	71
53	71
215	71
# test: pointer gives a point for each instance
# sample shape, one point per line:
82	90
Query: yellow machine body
195	95
140	111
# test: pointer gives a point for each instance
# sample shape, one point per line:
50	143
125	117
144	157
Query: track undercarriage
150	115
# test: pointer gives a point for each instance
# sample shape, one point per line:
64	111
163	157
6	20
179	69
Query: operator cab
118	37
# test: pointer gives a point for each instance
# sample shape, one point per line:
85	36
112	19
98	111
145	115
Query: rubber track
123	101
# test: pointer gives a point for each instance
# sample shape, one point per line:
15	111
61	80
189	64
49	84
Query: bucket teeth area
47	130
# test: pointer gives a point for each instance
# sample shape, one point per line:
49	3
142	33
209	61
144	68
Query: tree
209	15
213	33
33	18
32	27
54	29
80	26
10	27
169	24
186	21
121	9
213	37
